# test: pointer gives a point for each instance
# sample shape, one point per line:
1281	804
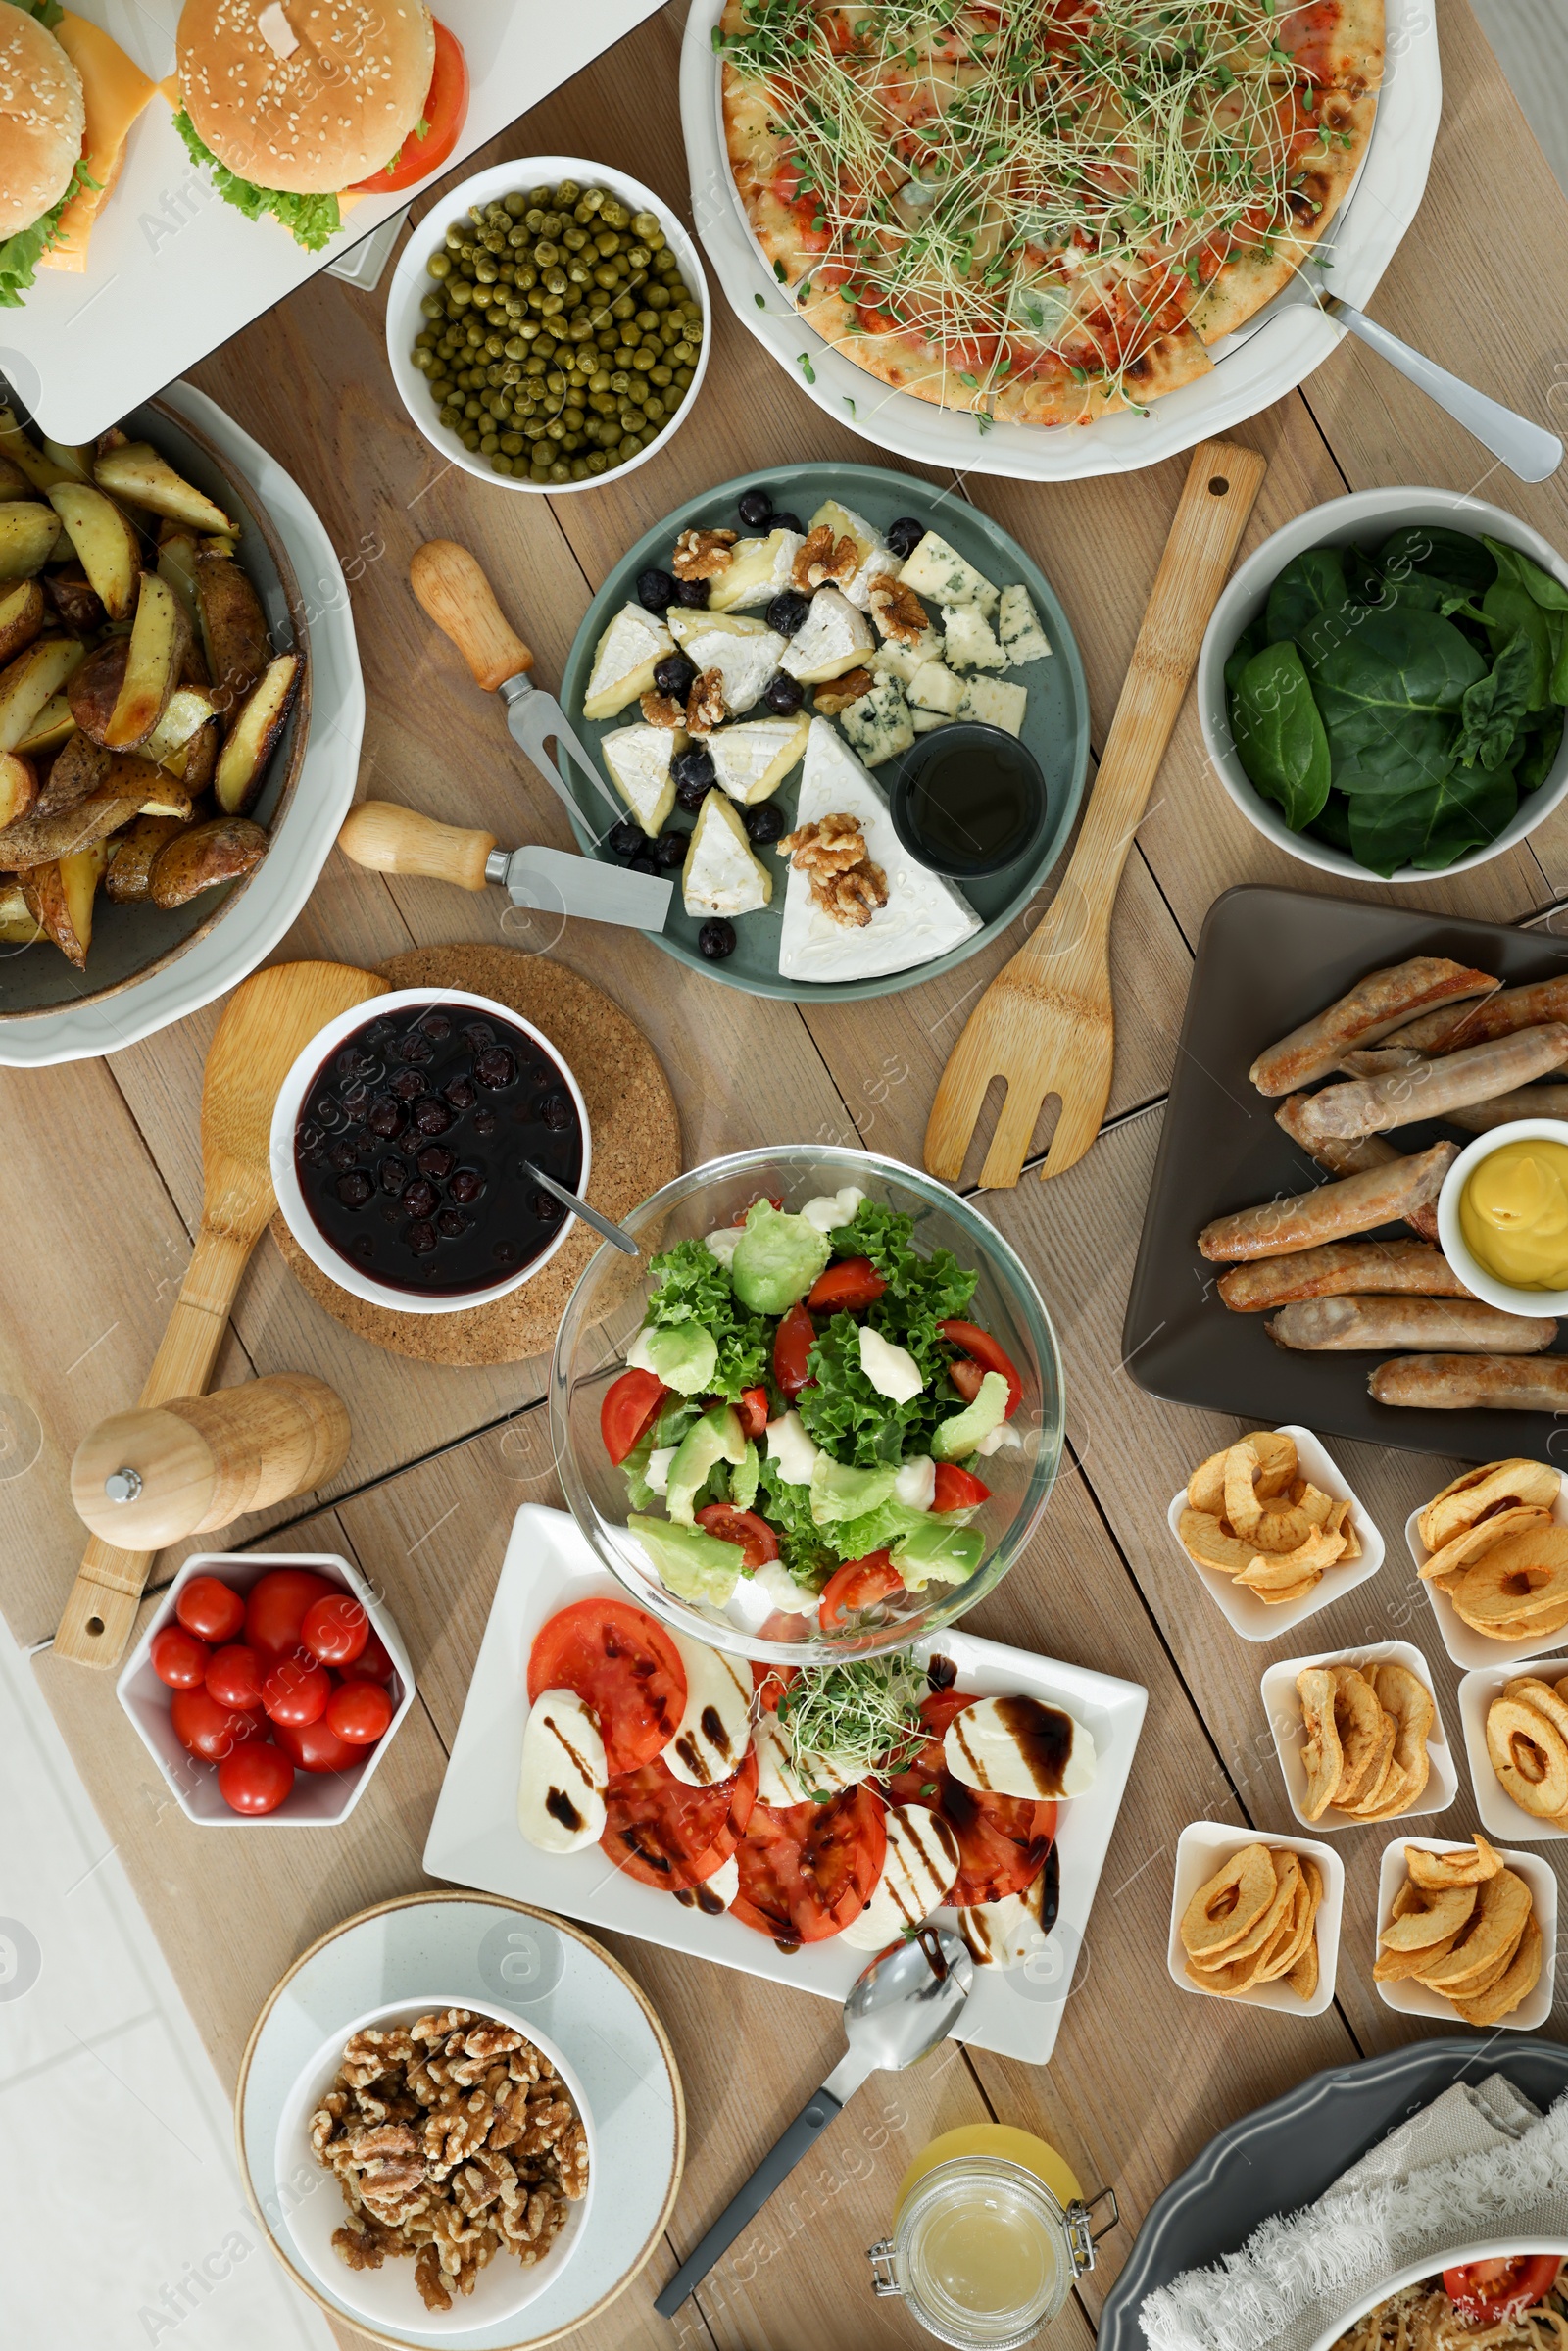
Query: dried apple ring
1529	1755
1231	1902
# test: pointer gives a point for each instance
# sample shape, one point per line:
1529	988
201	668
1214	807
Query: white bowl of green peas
548	324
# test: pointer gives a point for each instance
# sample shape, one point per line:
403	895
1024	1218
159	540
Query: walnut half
701	554
845	883
897	609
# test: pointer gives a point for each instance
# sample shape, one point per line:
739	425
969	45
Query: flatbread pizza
1045	210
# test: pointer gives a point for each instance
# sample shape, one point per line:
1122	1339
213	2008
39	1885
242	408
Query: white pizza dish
1500	1815
1475	1651
1283	1705
475	1839
1411	1998
1203	1848
1256	1619
1263	359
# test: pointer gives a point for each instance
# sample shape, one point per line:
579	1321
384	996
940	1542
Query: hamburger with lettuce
43	123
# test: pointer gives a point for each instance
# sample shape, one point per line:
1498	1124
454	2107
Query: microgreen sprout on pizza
1044	210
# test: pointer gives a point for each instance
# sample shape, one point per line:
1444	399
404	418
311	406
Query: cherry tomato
336	1630
774	1200
1484	2293
967	1377
235	1676
957	1488
358	1712
793	1342
372	1664
294	1693
755	1536
753	1409
208	1609
857	1583
631	1405
625	1665
255	1778
210	1731
444	113
770	1682
853	1283
982	1348
667	1834
316	1746
807	1870
178	1658
276	1609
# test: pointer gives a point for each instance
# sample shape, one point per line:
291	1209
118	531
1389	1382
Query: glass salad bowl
601	1321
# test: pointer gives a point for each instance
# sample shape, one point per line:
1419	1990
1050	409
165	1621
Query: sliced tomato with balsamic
664	1833
793	1343
809	1870
770	1682
957	1488
753	1409
857	1583
845	1288
631	1405
981	1349
1003	1841
441	121
755	1538
623	1664
1486	2293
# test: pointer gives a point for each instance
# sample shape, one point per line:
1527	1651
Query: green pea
514	203
500	464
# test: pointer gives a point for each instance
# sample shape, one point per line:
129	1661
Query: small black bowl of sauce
968	800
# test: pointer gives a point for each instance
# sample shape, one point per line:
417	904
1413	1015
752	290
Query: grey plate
1269	959
1056	725
1285	2154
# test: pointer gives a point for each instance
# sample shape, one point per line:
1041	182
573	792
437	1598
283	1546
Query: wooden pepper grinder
145	1479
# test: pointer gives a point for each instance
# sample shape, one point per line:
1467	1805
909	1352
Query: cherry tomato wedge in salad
1486	2293
623	1664
442	116
664	1833
793	1342
1003	1841
957	1488
857	1583
753	1409
809	1870
726	1524
631	1405
980	1347
853	1283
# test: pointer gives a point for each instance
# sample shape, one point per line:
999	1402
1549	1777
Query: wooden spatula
270	1019
1045	1023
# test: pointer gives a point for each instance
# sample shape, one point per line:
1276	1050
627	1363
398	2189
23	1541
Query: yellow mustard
1514	1213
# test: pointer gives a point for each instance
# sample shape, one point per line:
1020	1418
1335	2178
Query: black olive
655	590
693	592
904	535
355	1189
756	510
642	864
495	1068
691	797
420	1237
783	695
392	1175
625	839
716	940
695	766
466	1186
764	822
431	1115
436	1162
670	849
675	675
786	612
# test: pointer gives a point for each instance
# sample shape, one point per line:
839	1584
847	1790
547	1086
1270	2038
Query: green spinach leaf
1389	692
1252	639
1538	752
1452	556
1494	707
1333	823
1521	572
1279	735
1306	598
1510	610
1429	828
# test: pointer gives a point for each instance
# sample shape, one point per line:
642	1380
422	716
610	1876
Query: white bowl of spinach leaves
1383	685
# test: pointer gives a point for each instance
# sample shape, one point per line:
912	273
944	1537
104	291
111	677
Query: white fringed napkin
1480	2163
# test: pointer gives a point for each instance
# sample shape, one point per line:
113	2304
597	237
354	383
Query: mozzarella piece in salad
716	1730
1007	1933
917	1877
561	1782
1018	1747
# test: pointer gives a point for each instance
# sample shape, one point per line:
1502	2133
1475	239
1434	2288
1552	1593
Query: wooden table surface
101	1186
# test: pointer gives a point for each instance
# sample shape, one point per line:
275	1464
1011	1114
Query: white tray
475	1839
172	270
1419	1999
1283	1705
1262	1620
1203	1848
1467	1647
1500	1816
1263	361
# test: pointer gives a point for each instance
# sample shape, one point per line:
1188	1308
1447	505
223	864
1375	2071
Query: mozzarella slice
779	1587
833	1208
915	1484
561	1785
724	1243
780	1780
715	1893
790	1447
721	875
892	1370
625	660
713	1735
657	1472
1019	1748
918	1876
751	760
1004	1933
832	638
641	761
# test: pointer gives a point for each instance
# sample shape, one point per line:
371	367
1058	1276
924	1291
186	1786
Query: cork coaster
636	1147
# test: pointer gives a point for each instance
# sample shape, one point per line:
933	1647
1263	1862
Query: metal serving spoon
904	2003
616	1234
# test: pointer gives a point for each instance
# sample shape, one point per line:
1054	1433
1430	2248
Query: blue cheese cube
878	725
1019	628
970	644
903	660
995	703
934	687
938	570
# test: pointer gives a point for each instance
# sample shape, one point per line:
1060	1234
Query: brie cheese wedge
641	761
625	660
757	570
721	875
745	652
751	760
832	638
876	556
924	916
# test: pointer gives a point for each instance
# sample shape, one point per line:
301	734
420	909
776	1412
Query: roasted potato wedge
19	786
242	761
75	599
78	767
19	925
156	792
195	763
135	471
28	536
22	609
94	689
25	454
33	679
177	562
159	636
14	484
61	895
106	544
125	794
75	464
131	854
189	709
53	726
205	855
233	631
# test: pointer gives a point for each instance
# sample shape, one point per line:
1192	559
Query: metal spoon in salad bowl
906	2002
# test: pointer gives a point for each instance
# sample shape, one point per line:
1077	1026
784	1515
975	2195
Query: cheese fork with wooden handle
387	839
269	1021
1045	1024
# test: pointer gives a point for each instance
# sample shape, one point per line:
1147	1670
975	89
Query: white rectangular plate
1419	1999
475	1839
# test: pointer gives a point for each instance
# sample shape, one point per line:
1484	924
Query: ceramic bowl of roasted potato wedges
154	703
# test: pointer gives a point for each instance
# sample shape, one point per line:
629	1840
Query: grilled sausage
1359	1203
1382	1001
1338	1267
1531	1101
1435	1089
1499	1015
1462	1325
1473	1383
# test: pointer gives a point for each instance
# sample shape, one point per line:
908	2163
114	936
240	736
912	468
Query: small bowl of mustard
1503	1217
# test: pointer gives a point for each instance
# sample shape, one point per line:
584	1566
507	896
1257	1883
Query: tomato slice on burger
664	1833
1486	2293
853	1283
630	1408
755	1538
957	1488
980	1347
1003	1841
623	1664
857	1583
433	137
793	1342
809	1870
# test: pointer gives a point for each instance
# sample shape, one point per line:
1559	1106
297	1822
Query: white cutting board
173	271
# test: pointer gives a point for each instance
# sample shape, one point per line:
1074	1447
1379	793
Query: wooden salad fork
1045	1025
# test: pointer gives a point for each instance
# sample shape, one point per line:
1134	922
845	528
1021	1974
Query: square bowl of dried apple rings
461	2149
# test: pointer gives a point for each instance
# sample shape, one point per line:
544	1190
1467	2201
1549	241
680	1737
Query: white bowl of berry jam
398	1147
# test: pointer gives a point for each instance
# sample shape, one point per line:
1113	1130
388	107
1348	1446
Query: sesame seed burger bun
41	121
331	112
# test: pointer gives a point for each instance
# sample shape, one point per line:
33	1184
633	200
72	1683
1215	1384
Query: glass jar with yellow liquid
990	2232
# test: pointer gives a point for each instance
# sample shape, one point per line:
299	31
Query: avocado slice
839	1490
683	1354
693	1565
960	1434
717	1436
777	1260
938	1553
743	1478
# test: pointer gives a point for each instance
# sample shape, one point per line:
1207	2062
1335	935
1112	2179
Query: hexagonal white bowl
1418	2000
1475	1651
1204	1846
1500	1816
1258	1620
1283	1705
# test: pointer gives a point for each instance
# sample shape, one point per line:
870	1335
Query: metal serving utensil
616	1234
